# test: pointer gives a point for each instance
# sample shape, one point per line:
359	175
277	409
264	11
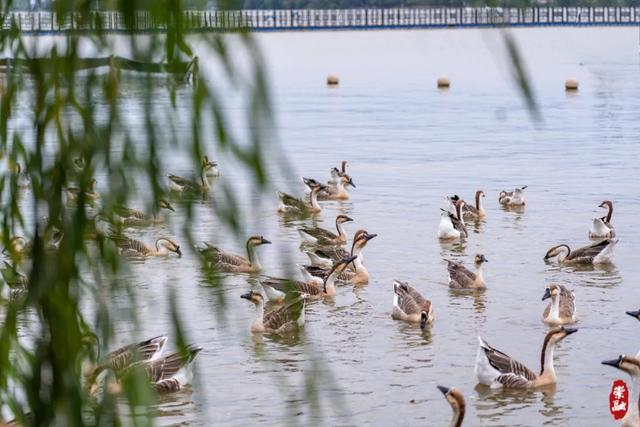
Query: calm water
409	145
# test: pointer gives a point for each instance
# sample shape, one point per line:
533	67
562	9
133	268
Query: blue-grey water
409	145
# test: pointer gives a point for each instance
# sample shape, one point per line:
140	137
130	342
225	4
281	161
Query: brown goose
471	213
562	309
458	405
409	305
601	228
598	253
136	248
496	369
192	185
275	288
630	365
322	237
279	321
134	217
461	277
293	205
231	263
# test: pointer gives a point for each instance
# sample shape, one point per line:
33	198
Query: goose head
555	335
635	314
254	241
17	244
347	180
254	297
480	258
479	194
454	397
360	239
341	219
607	204
164	204
552	292
168	244
424	318
628	364
208	165
555	251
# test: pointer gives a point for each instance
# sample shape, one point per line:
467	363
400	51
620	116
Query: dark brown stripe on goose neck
544	350
461	412
610	213
478	200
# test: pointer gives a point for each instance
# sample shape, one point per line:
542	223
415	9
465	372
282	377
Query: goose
23	179
630	365
333	192
512	198
186	185
275	288
133	217
359	275
461	277
601	228
168	374
231	263
496	369
452	227
120	359
562	309
409	305
323	237
471	213
210	168
135	248
324	257
279	321
18	246
73	192
458	405
13	277
598	253
337	173
293	205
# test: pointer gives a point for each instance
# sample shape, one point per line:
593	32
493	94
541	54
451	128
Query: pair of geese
165	374
452	224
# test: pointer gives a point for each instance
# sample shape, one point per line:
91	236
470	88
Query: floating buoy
571	84
443	82
333	80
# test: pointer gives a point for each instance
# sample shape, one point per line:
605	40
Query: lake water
409	145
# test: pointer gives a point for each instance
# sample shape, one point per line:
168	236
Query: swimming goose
496	369
18	246
630	365
23	178
512	198
332	192
13	277
231	263
598	253
323	237
293	205
135	248
186	185
461	277
458	405
471	213
279	321
168	374
324	257
601	227
120	359
562	309
73	192
409	305
359	275
275	288
452	227
133	217
210	168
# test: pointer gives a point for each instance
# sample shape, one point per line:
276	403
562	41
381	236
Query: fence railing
310	19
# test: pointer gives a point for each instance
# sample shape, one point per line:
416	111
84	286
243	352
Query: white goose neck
634	394
314	200
547	365
479	271
555	307
258	321
340	228
253	256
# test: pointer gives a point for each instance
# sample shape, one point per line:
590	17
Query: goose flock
333	262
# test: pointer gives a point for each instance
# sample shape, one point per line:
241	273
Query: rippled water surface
409	145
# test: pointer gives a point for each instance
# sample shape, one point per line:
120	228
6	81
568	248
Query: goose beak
635	314
170	207
178	251
570	331
523	188
370	236
246	296
443	389
265	241
348	219
615	362
547	294
351	183
423	321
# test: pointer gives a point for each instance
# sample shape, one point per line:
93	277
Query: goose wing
215	255
166	367
181	181
292	202
405	302
130	246
126	212
319	233
588	253
513	373
424	303
282	316
285	285
459	275
145	350
322	273
567	302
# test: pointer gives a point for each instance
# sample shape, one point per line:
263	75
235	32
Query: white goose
601	228
512	198
496	369
452	227
562	309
